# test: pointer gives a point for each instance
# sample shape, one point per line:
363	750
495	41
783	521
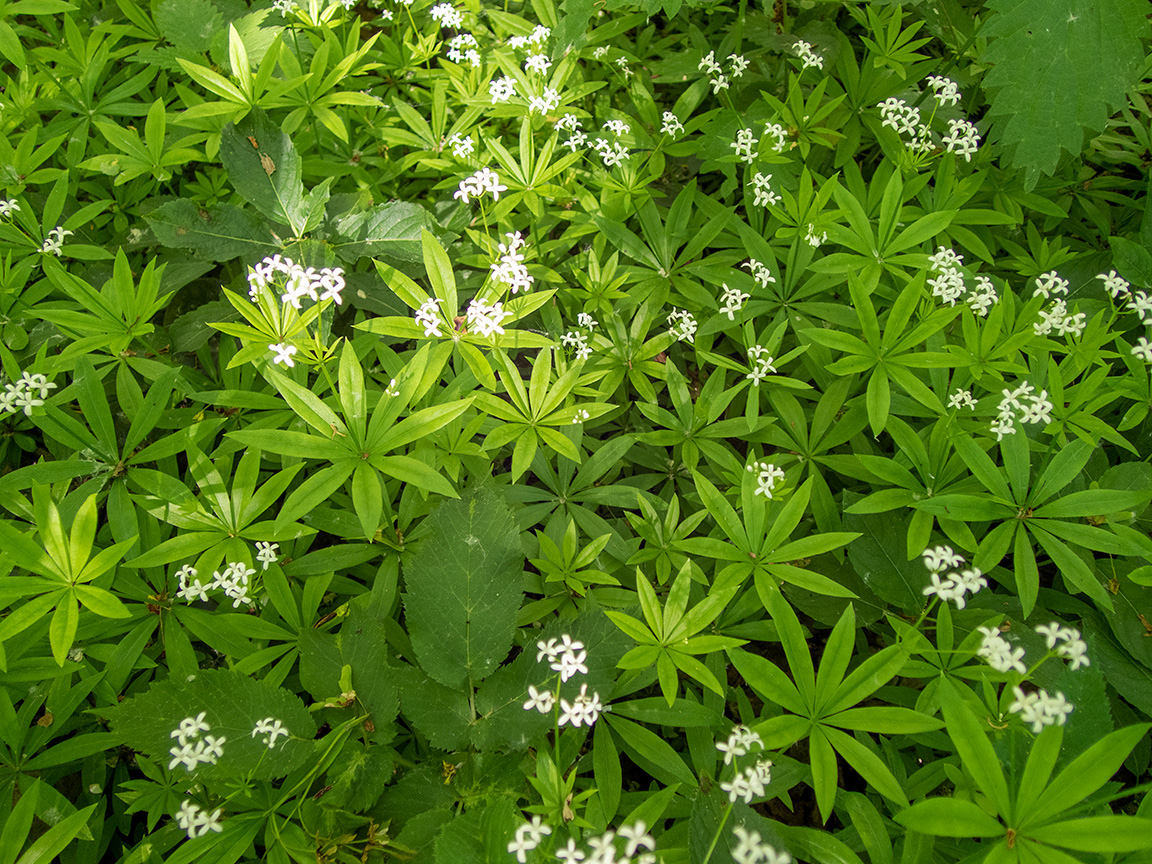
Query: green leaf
1098	834
949	817
664	762
975	750
233	704
53	841
464	589
267	176
1044	46
391	229
219	232
877	555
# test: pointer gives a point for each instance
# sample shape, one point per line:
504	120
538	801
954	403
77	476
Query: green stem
716	836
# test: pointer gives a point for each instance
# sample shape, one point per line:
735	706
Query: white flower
671	125
762	191
739	64
569	123
541	700
636	836
999	654
332	281
1040	709
898	115
269	727
720	82
760	272
549	100
447	15
766	476
962	138
428	315
576	139
732	301
189	729
283	7
537	63
266	552
581	414
708	64
743	145
583	709
528	837
945	90
962	399
204	822
779	134
186	816
571	663
617	127
682	325
1115	284
283	354
983	296
1143	349
502	89
54	241
1141	304
805	53
583	319
761	366
570	852
813	238
8	207
1050	282
485	320
579	343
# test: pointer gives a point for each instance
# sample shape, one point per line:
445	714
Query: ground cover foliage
597	431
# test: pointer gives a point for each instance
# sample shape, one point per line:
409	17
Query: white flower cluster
963	138
501	89
766	473
234	580
566	656
484	180
778	134
955	585
316	285
948	283
744	144
670	124
962	399
54	242
899	115
535	39
760	272
1056	317
762	194
732	301
750	782
752	850
576	136
807	55
462	48
284	353
602	849
1021	404
1071	646
999	654
484	319
528	837
944	90
462	147
8	207
548	100
447	15
190	817
539	63
813	239
510	269
266	553
1040	709
716	78
682	325
579	342
269	727
761	366
22	394
193	749
428	316
1117	286
617	127
612	153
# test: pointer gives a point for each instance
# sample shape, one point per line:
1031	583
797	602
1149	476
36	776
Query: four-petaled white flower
266	553
269	727
541	700
283	353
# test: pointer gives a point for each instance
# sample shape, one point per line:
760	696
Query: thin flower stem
719	828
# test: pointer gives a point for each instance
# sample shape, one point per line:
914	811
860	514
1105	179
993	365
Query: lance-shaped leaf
464	589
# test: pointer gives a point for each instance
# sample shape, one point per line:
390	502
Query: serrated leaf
391	230
188	24
266	175
464	589
1048	46
232	703
220	233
